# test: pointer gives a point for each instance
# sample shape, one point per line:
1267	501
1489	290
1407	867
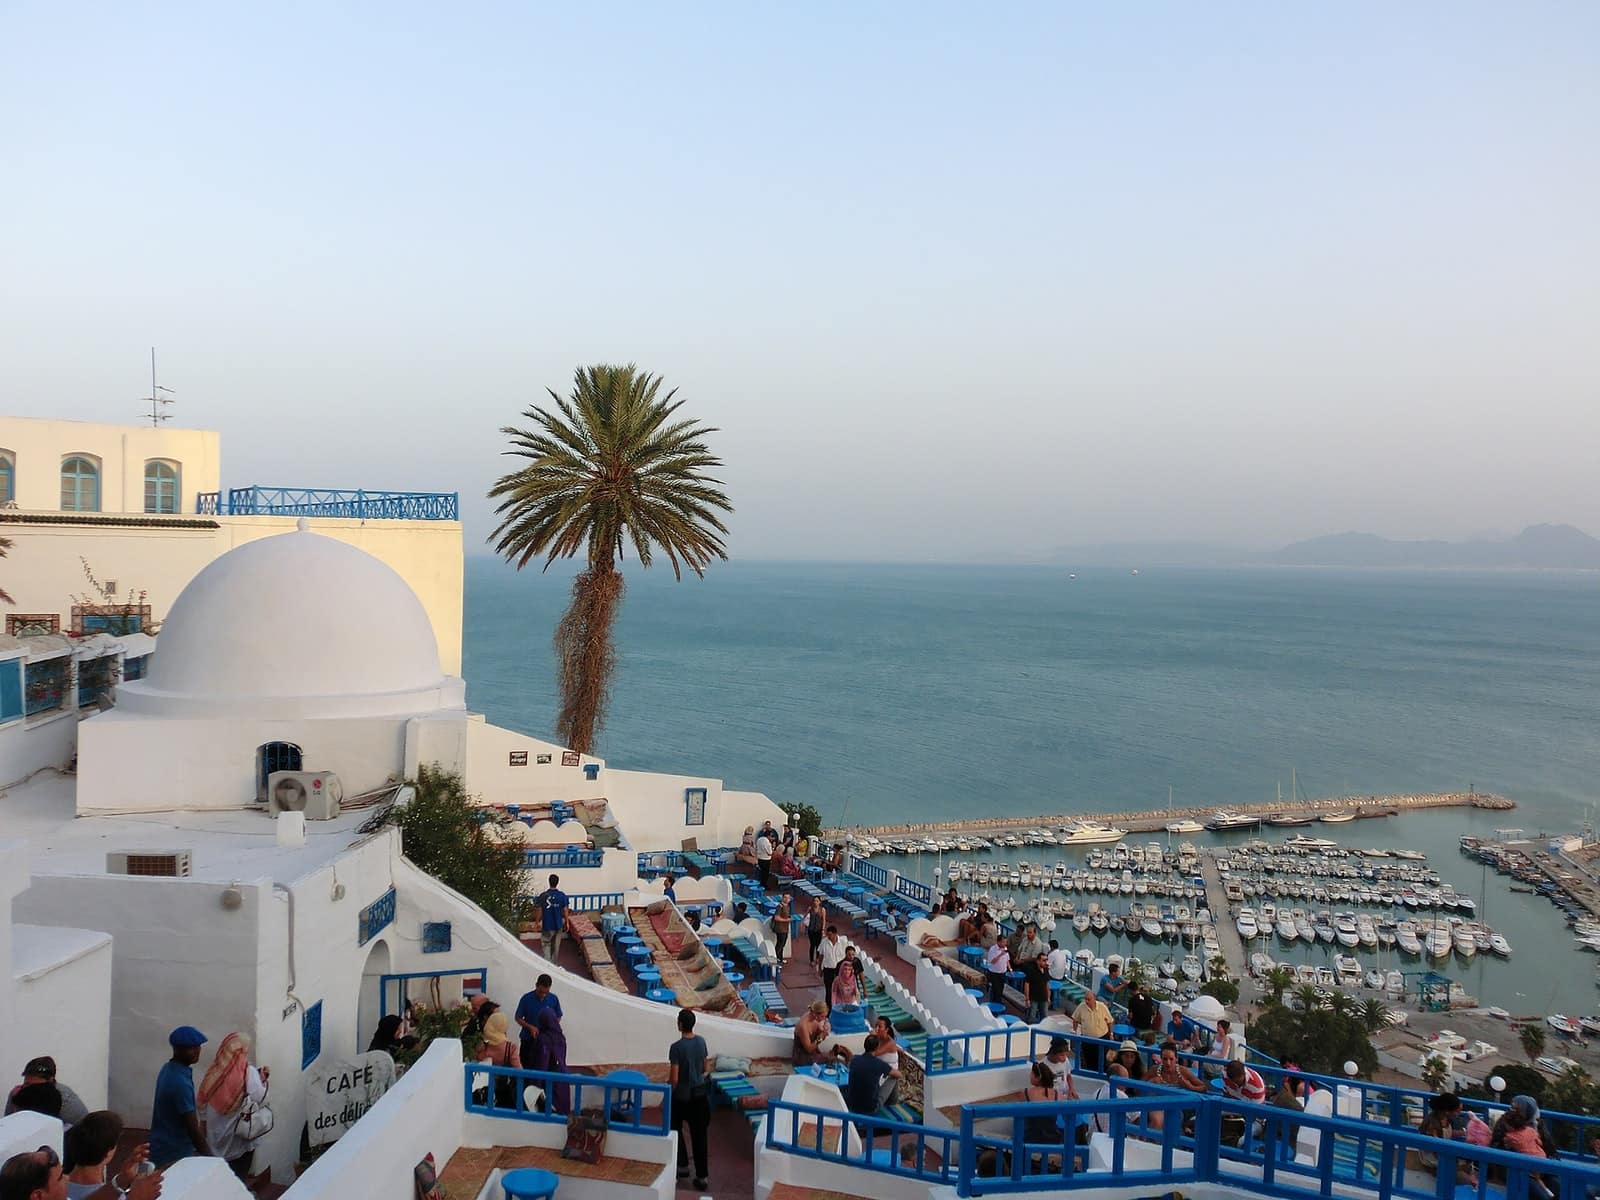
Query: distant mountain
1547	546
1148	554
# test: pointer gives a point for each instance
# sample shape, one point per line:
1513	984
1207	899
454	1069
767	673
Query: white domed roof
300	624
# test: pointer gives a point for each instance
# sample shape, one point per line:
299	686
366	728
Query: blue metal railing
821	1133
912	890
357	504
594	901
481	974
875	875
625	1103
562	858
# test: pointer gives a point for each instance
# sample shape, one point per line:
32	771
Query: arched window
8	477
160	486
274	756
80	485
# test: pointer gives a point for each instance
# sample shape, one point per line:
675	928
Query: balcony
358	504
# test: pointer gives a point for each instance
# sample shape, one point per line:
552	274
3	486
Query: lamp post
1350	1068
1497	1084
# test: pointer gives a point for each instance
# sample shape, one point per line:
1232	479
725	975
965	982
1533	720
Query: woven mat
793	1191
952	1112
657	1072
631	1171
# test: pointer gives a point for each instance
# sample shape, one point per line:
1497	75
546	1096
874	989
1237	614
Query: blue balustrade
594	901
357	504
401	979
887	1146
568	857
921	893
630	1105
874	874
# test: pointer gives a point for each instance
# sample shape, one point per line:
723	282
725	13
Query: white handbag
255	1120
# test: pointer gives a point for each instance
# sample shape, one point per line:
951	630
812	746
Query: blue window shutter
10	689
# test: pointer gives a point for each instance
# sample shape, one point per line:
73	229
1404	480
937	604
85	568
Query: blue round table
712	942
734	977
631	938
638	956
996	1008
529	1183
661	995
648	978
1121	1032
976	993
848	1018
631	1097
971	955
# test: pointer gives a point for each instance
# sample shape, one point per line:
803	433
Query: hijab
388	1035
496	1030
223	1085
1527	1108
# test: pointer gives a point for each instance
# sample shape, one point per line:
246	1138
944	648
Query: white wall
948	1001
490	776
62	979
649	806
422	1114
38	447
13	880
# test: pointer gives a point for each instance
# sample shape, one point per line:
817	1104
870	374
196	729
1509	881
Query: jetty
1156	819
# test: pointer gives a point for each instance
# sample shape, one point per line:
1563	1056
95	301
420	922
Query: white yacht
1245	922
1187	825
1089	833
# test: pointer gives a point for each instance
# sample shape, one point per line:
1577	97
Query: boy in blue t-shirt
552	904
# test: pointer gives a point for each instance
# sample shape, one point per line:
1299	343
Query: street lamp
1350	1068
1497	1084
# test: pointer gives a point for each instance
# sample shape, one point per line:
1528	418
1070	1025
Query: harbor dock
1156	819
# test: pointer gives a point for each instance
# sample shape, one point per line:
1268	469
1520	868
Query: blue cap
186	1035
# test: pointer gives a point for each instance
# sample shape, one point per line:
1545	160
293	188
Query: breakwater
1155	819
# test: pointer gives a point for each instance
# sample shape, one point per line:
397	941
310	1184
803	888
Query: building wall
50	739
650	807
45	569
490	776
61	1005
13	881
39	445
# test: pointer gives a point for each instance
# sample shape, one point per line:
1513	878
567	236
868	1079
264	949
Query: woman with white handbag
233	1101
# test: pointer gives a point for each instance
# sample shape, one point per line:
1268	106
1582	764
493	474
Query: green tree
1435	1074
5	545
1375	1015
1319	1040
447	836
608	467
1344	1004
1225	990
810	823
1532	1039
1278	981
1307	997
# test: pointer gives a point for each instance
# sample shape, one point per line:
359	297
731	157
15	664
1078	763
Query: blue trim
481	974
80	483
375	918
8	479
625	1104
310	1035
162	493
10	689
594	901
901	1138
871	872
357	504
532	859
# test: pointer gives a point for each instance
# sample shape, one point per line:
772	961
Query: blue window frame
694	806
10	689
310	1035
80	485
275	756
8	477
160	487
45	685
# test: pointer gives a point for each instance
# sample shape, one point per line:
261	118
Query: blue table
661	995
638	956
529	1183
648	978
734	977
976	993
628	940
713	943
971	955
848	1018
1121	1032
996	1008
627	1104
835	1075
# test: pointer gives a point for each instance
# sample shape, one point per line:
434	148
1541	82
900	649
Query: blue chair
529	1183
628	1097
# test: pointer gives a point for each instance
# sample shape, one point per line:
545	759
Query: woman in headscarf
388	1038
1522	1130
550	1054
231	1086
499	1050
847	983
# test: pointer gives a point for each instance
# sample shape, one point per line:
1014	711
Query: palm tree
1532	1039
1435	1074
1309	997
1374	1015
1278	981
5	544
608	467
1343	1004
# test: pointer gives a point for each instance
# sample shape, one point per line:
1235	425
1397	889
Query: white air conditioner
155	864
315	793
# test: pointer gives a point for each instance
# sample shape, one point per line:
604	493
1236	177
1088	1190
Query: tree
1218	967
5	597
608	467
1319	1040
1532	1039
449	837
1225	990
1344	1004
1278	981
1308	997
810	822
1435	1074
1374	1015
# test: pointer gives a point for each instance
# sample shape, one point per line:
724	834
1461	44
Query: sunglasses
50	1159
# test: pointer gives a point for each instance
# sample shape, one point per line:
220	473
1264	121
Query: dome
296	625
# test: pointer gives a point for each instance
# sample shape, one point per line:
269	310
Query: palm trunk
586	656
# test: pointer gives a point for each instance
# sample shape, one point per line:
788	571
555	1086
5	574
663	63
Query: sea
890	693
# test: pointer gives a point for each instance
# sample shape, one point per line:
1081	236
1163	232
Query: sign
375	917
339	1092
542	759
694	806
569	758
519	758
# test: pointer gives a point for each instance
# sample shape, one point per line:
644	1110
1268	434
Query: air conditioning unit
315	793
155	864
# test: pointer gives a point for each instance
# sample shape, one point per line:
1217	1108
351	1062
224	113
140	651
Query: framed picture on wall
694	806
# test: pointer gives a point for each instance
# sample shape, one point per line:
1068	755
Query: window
274	756
10	689
115	619
80	485
160	487
134	668
97	680
8	477
45	685
310	1035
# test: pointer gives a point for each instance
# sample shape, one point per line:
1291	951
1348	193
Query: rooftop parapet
358	504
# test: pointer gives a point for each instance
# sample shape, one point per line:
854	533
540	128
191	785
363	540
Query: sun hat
1129	1044
186	1035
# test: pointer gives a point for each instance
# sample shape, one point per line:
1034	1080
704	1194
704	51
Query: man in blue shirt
1180	1030
552	904
529	1008
862	1092
175	1130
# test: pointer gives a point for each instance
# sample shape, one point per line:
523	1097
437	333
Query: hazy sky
955	282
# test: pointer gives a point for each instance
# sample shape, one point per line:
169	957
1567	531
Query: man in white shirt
1056	961
763	858
830	954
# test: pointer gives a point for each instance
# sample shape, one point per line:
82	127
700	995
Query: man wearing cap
175	1130
43	1070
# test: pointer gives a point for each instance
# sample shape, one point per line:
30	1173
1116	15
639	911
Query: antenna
155	399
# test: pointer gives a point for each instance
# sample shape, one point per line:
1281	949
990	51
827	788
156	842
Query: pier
1154	820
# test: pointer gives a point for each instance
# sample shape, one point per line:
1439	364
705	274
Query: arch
8	476
163	486
80	483
369	1004
275	756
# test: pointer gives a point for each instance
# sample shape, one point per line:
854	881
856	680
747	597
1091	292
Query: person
1243	1083
1111	985
988	929
888	1050
809	1033
691	918
747	845
1130	1059
666	890
552	904
780	926
741	912
1172	1073
951	904
1223	1046
1115	1087
1056	961
763	858
387	1036
1290	1096
862	1089
688	1071
482	1009
43	1070
1042	1089
550	1054
40	1175
1440	1121
814	926
528	1010
498	1050
88	1149
175	1130
1057	1061
1521	1130
1142	1011
997	962
42	1098
1028	944
1180	1030
1092	1019
830	956
230	1088
846	987
1036	986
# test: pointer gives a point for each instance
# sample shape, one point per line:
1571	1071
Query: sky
954	283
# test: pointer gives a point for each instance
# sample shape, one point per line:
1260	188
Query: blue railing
481	974
357	504
912	890
568	857
822	1133
875	875
631	1106
594	901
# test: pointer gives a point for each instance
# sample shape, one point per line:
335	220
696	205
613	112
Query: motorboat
1187	825
1405	936
1191	968
1167	967
1224	821
1285	820
1286	927
1150	926
1099	922
1348	970
1337	818
1556	1064
1309	845
1323	927
1465	943
1438	941
1589	1024
1563	1025
1499	945
1089	833
1374	979
1080	922
1494	1010
1245	922
1394	983
1345	929
1303	927
1366	931
1261	964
